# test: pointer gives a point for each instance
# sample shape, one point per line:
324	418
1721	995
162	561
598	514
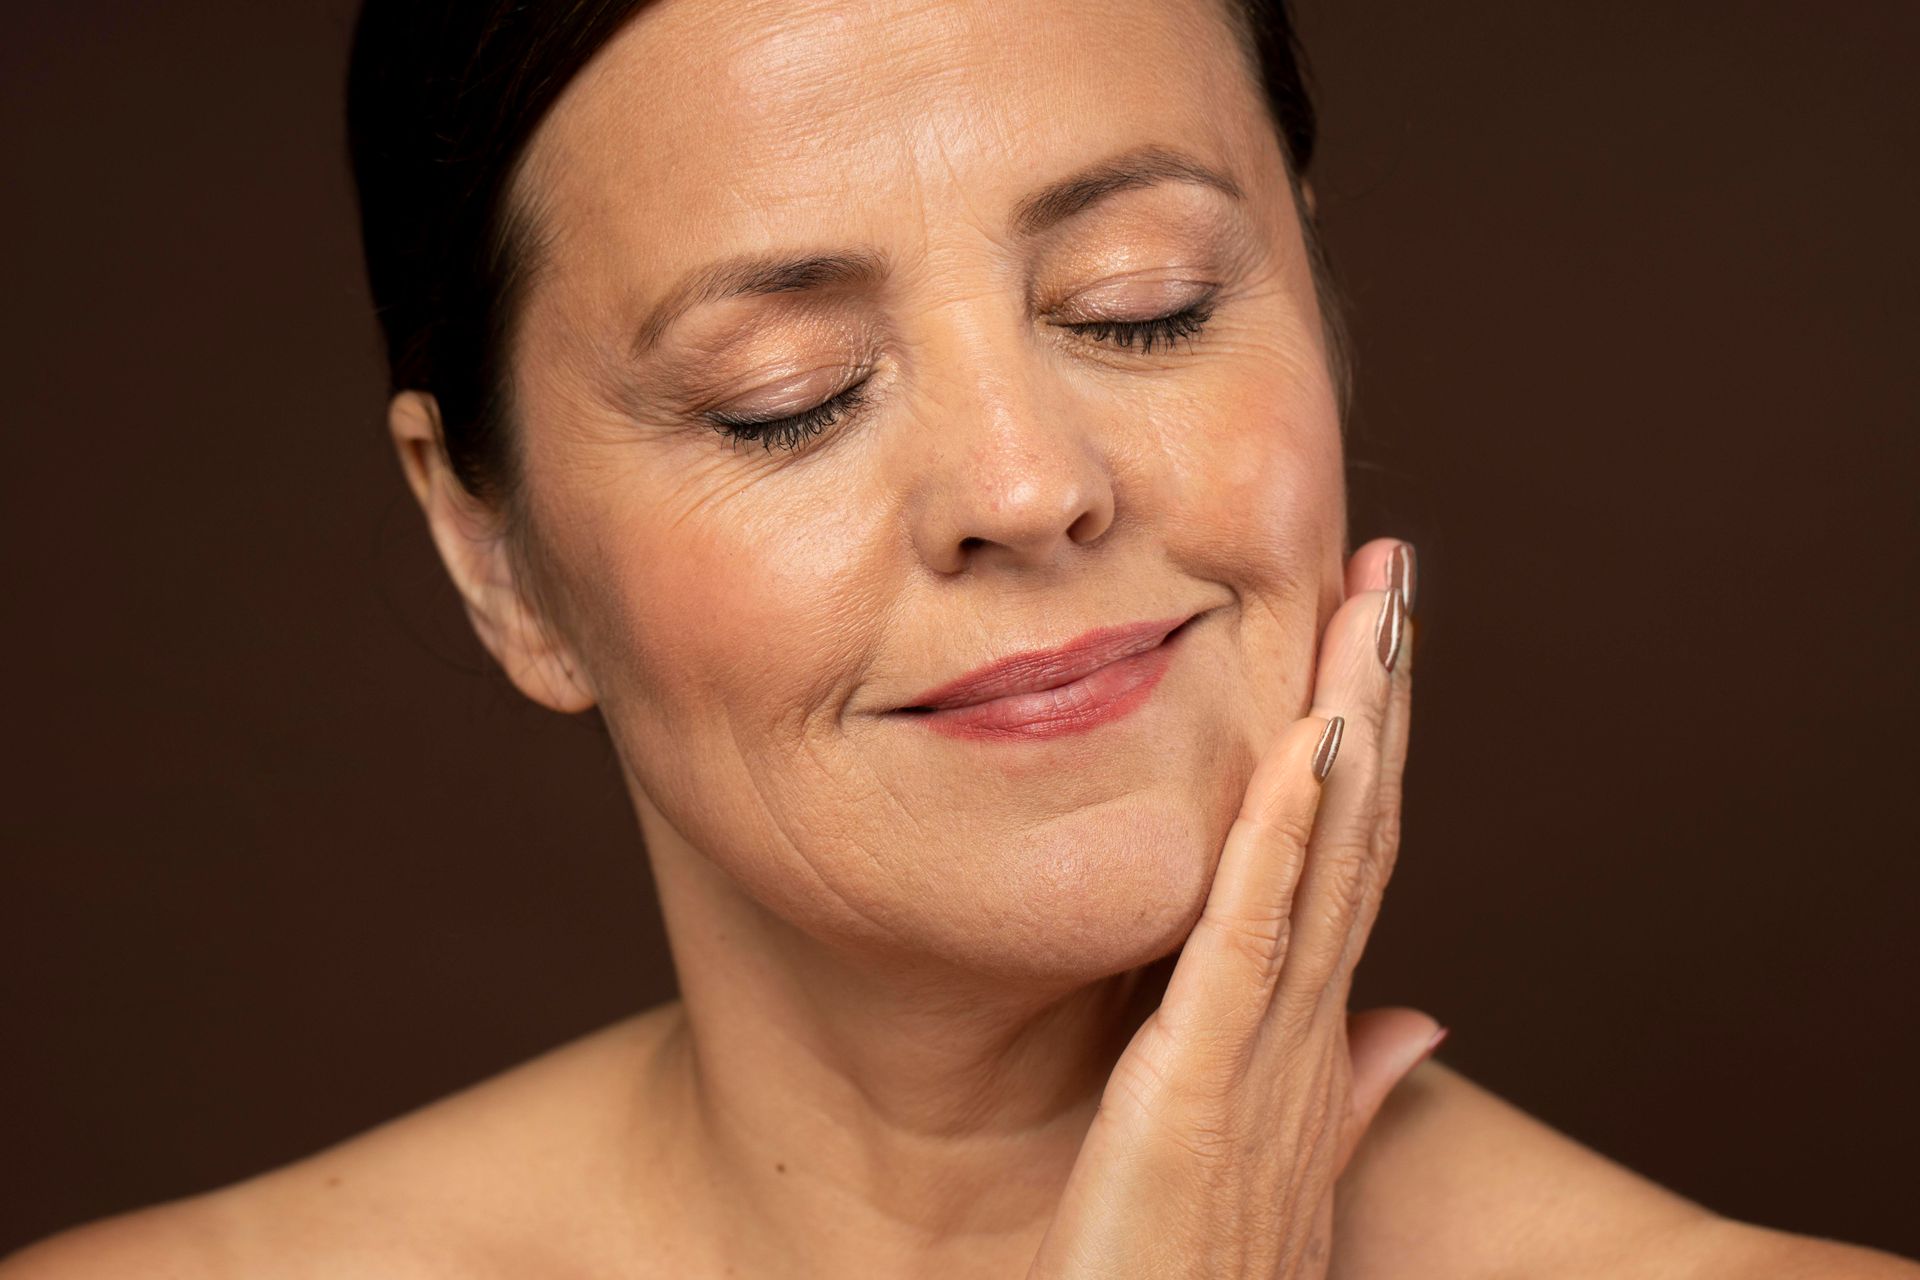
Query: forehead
709	124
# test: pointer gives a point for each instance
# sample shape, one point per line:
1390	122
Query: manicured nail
1329	747
1433	1045
1386	632
1400	574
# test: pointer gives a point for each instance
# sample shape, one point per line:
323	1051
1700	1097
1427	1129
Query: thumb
1384	1045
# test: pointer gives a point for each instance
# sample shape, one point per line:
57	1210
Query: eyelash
789	432
1165	330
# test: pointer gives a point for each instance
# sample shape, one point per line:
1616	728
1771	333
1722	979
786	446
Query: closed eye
792	430
1162	330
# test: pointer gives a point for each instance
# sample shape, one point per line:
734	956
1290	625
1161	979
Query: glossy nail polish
1387	631
1401	574
1329	747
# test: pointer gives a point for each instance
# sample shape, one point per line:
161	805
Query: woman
917	431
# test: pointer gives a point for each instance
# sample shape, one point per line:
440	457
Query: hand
1238	1103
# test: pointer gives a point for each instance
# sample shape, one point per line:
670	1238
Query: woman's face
1011	466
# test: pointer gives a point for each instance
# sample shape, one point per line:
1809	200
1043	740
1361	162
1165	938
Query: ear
1306	193
472	540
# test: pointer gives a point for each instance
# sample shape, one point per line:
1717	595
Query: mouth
1094	678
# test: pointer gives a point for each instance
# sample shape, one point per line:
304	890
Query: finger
1384	1045
1219	990
1351	680
1389	796
1396	726
1367	568
1401	575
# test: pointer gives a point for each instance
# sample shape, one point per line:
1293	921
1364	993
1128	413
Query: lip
1094	678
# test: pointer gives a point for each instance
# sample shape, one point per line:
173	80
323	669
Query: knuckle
1320	1003
1183	1114
1140	1083
1384	851
1332	949
1213	1051
1258	940
1278	824
1201	1134
1347	879
1187	1082
1386	831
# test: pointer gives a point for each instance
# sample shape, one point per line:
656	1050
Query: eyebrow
1146	166
757	275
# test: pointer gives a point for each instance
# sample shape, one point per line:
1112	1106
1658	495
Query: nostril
1088	527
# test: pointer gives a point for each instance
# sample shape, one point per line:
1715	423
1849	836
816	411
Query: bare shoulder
1453	1180
455	1188
179	1239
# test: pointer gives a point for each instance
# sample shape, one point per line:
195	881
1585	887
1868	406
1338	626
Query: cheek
1252	486
1247	490
728	612
724	634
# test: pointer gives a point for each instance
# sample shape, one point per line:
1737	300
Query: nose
1009	480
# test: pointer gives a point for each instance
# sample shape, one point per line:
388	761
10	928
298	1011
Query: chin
1094	893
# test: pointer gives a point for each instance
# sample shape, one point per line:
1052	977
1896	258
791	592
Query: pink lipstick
1042	693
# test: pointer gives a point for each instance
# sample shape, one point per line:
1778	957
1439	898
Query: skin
909	963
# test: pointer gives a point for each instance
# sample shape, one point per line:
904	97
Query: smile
1045	693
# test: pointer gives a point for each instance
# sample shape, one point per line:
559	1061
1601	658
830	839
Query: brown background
1635	292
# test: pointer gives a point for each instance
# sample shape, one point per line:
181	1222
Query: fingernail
1386	632
1400	574
1433	1045
1329	747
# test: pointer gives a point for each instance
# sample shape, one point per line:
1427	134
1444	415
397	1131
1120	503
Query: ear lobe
472	540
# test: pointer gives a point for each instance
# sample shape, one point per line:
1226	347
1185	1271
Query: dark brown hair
441	100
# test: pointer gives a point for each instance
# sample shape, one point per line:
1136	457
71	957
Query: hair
442	99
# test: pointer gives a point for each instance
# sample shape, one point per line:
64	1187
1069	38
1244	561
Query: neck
859	1117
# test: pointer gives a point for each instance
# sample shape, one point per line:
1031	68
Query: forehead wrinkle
796	66
781	73
944	102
